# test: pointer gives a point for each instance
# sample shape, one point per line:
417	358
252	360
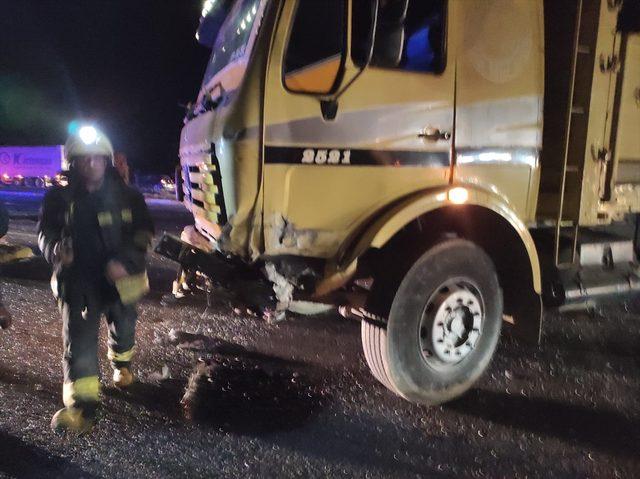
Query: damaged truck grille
202	186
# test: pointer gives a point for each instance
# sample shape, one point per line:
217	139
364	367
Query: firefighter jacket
112	223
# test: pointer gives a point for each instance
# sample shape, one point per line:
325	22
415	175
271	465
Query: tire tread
374	342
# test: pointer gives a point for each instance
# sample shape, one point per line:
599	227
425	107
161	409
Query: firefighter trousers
81	314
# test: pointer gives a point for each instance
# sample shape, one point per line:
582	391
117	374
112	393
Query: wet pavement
225	394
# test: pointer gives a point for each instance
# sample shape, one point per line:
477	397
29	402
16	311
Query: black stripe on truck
279	155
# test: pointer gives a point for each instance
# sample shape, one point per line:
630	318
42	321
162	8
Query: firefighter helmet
87	140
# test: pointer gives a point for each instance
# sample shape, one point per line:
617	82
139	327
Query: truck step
596	282
607	254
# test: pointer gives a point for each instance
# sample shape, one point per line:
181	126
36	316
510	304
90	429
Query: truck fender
377	233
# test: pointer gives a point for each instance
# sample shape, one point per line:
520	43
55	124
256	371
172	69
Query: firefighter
95	232
121	164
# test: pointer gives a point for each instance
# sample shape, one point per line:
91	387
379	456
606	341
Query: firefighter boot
122	377
72	419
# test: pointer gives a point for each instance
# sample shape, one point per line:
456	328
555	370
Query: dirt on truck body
433	167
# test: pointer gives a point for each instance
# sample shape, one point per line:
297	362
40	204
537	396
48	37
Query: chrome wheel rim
451	323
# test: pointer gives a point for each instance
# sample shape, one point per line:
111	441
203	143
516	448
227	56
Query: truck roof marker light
206	8
458	195
88	135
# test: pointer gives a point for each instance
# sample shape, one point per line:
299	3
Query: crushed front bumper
245	281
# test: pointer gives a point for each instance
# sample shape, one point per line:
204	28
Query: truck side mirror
315	55
629	17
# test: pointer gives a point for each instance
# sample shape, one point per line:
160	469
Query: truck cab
386	156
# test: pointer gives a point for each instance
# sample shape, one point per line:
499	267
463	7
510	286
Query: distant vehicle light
60	180
167	183
458	195
88	135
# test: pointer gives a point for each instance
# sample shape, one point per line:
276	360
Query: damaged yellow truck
435	168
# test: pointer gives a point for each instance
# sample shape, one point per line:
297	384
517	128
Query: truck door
499	99
332	165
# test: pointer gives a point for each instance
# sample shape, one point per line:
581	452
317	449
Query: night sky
126	64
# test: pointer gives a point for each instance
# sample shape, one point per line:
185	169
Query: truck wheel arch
484	219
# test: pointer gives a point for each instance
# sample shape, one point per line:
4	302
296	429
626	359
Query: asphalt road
295	399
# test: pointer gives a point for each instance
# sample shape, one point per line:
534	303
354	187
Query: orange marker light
458	195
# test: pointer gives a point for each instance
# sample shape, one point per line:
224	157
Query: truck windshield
235	36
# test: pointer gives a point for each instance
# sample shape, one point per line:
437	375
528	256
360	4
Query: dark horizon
124	64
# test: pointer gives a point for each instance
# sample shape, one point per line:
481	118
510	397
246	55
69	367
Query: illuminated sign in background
30	160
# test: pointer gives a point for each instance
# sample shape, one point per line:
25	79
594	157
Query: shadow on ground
26	381
19	459
162	399
235	390
607	431
239	396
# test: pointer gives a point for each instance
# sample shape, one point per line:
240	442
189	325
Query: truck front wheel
443	325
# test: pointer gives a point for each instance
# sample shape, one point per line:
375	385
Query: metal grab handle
434	134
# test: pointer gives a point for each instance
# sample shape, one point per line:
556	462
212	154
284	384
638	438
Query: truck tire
443	325
374	346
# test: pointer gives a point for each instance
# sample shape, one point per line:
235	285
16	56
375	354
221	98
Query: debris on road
159	376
